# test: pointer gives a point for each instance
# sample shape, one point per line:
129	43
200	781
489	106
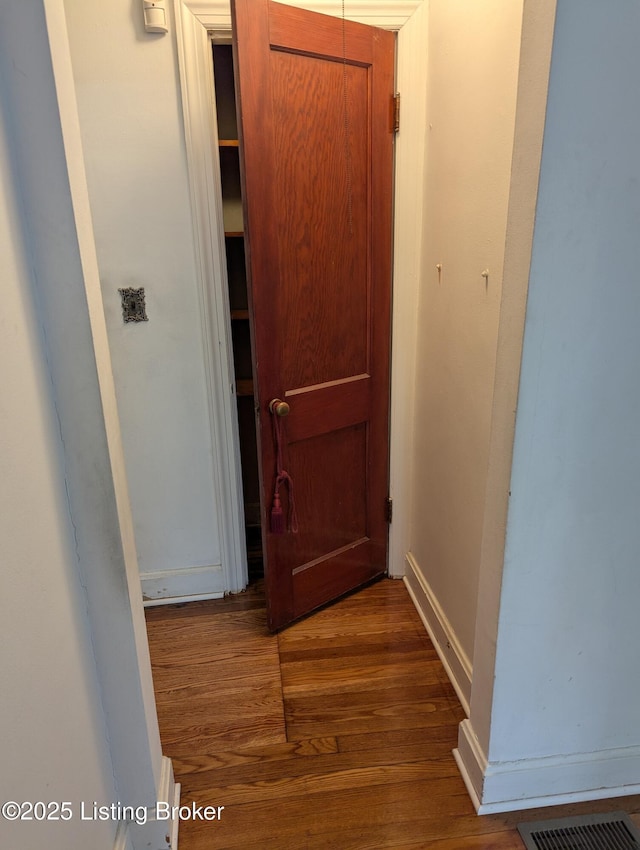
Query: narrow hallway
336	733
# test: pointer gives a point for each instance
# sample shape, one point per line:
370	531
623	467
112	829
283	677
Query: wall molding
168	792
471	761
184	584
195	64
388	14
121	841
551	781
446	643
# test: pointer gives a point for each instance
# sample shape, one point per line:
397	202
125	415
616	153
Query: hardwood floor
337	733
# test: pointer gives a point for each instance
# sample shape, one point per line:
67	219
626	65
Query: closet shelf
239	315
228	143
232	214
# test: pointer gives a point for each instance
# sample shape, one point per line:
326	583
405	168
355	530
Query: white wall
564	718
473	60
53	729
93	578
130	115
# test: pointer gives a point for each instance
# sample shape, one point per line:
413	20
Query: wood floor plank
203	649
210	687
400	815
180	742
379	621
252	756
216	677
318	679
345	767
334	735
266	708
369	711
204	663
347	647
430	741
357	817
352	645
278	788
506	840
304	676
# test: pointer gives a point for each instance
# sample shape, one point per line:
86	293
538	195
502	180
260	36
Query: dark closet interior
229	152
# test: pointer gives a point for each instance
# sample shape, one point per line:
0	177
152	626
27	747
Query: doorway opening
307	200
234	239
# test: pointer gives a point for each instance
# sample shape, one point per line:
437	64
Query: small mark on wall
133	305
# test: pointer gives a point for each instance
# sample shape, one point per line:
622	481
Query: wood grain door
314	102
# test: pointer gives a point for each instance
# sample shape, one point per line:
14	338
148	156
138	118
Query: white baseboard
133	835
175	826
122	840
471	762
183	585
453	657
552	781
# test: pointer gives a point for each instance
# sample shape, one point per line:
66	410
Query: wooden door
315	112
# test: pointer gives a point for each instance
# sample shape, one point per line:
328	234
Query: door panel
333	463
326	283
314	99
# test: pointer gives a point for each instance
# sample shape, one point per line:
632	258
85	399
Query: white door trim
194	19
195	65
388	14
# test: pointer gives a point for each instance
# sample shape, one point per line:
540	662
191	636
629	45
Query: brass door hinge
396	112
388	509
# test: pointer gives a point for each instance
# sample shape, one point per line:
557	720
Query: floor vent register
612	831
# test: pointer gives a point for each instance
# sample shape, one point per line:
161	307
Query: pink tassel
277	516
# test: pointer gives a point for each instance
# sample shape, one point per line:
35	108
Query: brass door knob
280	408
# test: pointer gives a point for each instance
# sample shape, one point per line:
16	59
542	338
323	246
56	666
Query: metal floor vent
612	831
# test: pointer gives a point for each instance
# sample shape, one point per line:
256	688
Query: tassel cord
282	477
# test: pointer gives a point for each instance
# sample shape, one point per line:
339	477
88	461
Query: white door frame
194	19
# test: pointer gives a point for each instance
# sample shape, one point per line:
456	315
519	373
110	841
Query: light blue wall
54	738
78	711
567	659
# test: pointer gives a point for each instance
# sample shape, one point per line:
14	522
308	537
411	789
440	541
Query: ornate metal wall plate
133	306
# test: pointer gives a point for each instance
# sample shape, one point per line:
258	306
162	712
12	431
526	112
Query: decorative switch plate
133	306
